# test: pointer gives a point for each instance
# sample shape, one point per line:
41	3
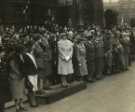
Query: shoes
90	80
41	92
23	109
17	110
65	85
47	88
98	77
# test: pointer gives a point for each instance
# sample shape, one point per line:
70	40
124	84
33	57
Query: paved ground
112	94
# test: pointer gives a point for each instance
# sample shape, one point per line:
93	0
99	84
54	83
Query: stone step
57	93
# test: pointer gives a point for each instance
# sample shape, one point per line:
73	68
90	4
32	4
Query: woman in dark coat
17	78
42	53
4	85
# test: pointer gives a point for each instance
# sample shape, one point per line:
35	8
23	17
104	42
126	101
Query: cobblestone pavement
112	94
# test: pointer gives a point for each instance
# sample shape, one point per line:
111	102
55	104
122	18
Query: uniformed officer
108	52
5	94
81	57
99	54
43	57
118	53
90	55
125	39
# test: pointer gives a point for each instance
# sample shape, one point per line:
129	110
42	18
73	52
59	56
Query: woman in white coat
65	53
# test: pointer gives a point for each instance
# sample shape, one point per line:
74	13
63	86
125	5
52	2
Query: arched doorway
110	18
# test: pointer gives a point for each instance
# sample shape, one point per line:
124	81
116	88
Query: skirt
17	88
44	72
65	68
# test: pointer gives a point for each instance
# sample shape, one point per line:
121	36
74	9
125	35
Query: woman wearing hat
125	41
81	57
17	77
65	65
43	56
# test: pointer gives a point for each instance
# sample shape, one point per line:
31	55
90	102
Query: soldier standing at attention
90	55
4	83
125	41
108	52
118	53
99	54
81	57
43	58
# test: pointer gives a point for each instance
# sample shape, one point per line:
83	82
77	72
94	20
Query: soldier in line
118	53
125	39
99	54
41	52
108	52
90	52
132	44
53	46
5	93
81	56
91	55
17	77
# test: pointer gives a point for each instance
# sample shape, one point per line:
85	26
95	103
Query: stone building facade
127	10
35	11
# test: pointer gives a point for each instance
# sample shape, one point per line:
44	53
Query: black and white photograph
67	55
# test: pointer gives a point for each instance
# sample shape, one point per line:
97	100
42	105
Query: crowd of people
34	58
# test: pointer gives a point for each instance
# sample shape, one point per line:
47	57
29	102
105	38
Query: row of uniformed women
84	57
94	54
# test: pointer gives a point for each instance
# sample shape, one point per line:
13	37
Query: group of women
33	60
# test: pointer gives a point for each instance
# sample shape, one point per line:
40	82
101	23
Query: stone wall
80	11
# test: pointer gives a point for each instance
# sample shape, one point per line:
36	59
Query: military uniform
16	77
132	45
81	57
90	56
99	57
118	55
43	56
5	94
108	53
53	46
125	40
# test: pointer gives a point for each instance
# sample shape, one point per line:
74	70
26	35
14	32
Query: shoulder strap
32	58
